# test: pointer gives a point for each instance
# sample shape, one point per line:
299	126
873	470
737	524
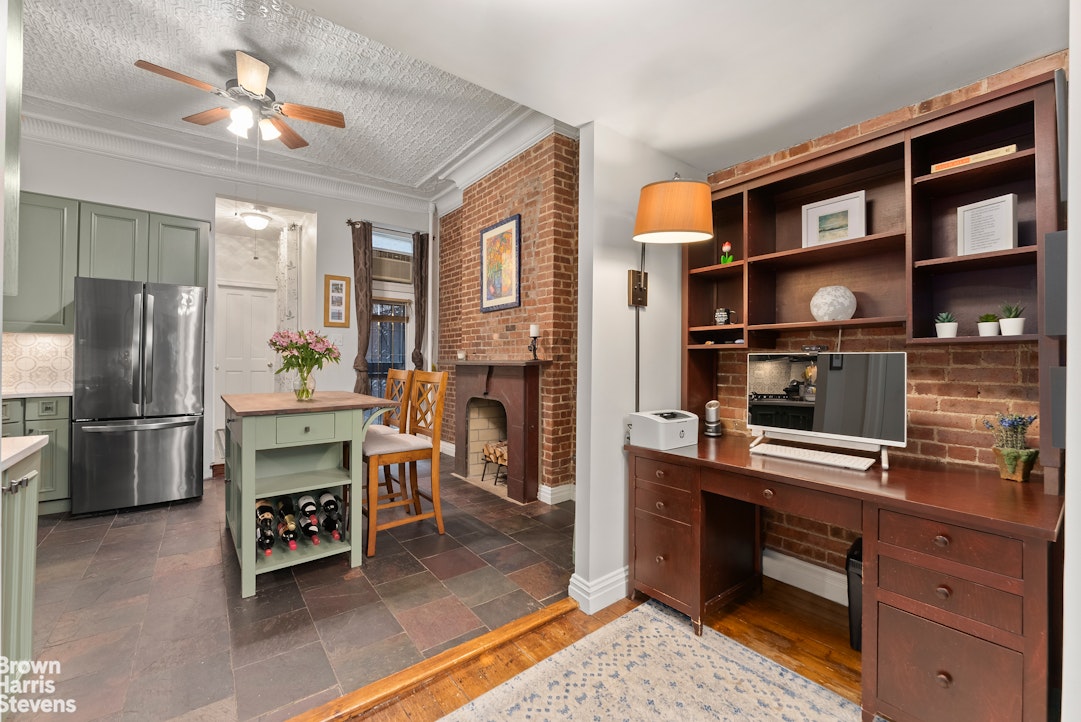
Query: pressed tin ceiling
406	121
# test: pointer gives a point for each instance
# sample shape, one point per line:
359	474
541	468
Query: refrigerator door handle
136	342
106	428
148	362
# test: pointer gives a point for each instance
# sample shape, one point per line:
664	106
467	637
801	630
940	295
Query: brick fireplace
515	385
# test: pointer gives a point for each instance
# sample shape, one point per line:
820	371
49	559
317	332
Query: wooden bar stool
399	389
420	441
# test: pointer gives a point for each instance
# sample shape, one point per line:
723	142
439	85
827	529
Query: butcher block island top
286	403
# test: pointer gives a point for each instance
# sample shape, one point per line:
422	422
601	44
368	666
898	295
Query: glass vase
304	385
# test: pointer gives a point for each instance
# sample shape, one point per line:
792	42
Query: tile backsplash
37	363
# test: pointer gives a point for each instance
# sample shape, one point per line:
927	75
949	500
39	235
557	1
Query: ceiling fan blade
251	73
289	137
208	116
177	76
313	115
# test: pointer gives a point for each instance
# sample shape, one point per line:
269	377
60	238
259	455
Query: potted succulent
1015	460
1012	322
988	324
945	325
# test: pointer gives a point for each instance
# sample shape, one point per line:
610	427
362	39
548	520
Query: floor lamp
670	212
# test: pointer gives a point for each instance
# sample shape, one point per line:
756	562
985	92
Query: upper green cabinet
139	246
44	292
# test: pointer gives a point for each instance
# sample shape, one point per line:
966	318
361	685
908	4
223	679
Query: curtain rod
350	222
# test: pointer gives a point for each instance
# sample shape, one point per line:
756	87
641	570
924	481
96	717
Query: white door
245	364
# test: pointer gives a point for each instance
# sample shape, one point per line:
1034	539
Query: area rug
648	664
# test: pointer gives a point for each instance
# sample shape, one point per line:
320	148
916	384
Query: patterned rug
648	664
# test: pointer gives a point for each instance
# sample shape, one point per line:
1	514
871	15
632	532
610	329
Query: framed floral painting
500	267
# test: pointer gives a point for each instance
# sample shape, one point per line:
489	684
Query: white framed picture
989	225
835	219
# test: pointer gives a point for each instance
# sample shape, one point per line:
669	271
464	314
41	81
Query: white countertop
14	449
34	393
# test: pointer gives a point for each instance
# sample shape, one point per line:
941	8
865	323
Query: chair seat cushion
382	429
395	444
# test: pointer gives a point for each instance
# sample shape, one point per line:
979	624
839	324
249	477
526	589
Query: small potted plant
988	324
1012	322
946	325
1015	460
726	252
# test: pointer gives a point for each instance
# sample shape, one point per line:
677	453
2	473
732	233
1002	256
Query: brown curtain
420	294
362	292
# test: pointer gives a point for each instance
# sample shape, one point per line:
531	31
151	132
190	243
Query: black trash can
854	566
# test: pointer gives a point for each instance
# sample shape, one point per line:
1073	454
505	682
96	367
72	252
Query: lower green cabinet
45	416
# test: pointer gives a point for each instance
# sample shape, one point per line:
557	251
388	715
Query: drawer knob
307	429
660	505
660	559
944	679
942	541
768	493
943	592
660	474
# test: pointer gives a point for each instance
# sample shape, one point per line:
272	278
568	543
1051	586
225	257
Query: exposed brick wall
541	184
951	388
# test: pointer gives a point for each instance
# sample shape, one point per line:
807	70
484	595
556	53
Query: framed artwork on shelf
336	301
989	225
500	267
834	219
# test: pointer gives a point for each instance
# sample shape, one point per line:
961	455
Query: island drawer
304	428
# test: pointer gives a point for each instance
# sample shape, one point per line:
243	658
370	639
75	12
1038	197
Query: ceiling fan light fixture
255	221
242	120
267	130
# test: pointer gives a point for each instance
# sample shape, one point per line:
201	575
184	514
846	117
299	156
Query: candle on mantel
534	329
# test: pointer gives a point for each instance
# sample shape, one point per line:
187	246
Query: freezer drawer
119	464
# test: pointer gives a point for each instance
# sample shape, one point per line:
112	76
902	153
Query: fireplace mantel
516	385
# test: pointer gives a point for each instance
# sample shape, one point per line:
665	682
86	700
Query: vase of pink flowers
303	352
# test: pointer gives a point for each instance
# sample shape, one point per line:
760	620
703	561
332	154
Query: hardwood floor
799	630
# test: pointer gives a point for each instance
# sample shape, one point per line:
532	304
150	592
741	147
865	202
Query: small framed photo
336	301
836	219
500	265
989	225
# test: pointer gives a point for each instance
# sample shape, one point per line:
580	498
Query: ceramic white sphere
833	303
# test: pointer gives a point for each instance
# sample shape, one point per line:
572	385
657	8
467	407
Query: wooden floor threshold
367	698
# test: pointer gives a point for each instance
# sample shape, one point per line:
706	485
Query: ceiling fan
252	103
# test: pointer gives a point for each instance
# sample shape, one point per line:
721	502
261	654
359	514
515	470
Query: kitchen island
21	463
276	446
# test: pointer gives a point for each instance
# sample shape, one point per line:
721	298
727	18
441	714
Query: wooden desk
957	566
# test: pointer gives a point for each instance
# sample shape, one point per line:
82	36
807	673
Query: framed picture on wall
336	301
834	219
500	269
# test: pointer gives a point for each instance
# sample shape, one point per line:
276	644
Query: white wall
613	171
61	171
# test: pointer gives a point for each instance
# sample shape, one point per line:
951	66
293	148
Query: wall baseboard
555	494
806	576
595	596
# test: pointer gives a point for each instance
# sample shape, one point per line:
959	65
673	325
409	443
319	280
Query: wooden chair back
425	410
399	390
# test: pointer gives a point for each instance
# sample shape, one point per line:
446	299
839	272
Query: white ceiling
709	82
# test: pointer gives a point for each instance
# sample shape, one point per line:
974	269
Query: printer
664	429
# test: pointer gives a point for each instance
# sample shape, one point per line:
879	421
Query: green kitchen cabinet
51	416
140	246
47	257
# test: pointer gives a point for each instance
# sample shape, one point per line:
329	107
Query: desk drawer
952	594
665	501
830	508
304	427
980	549
660	472
932	672
664	557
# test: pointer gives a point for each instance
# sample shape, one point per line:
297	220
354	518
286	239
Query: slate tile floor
143	610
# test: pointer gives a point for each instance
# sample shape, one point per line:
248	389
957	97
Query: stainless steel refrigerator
137	404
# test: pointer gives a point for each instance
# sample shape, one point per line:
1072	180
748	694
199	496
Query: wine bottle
330	525
330	504
264	522
287	524
310	528
308	507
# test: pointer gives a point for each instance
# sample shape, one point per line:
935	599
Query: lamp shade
674	211
255	221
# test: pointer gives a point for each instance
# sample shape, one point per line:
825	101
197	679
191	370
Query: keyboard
815	456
